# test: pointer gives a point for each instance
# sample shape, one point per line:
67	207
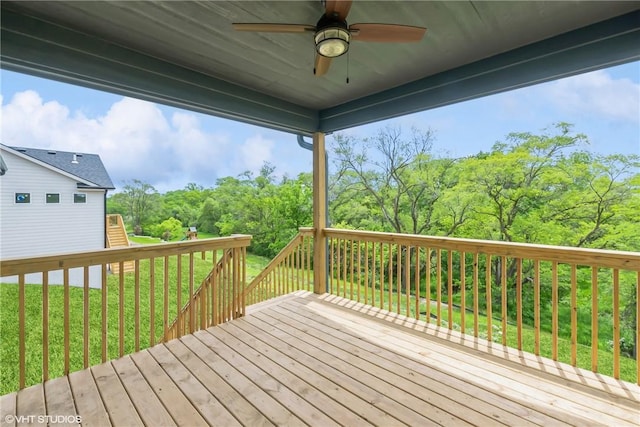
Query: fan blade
322	65
274	28
338	8
391	33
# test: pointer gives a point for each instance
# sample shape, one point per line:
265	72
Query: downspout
105	218
309	146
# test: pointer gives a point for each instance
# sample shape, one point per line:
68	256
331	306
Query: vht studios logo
42	419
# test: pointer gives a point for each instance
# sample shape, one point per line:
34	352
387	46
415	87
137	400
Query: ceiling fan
332	34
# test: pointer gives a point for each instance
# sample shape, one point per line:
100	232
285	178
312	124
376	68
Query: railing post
319	214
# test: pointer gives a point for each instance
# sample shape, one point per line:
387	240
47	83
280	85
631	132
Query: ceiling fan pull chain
348	55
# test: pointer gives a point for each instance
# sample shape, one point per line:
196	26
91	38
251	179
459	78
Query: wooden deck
305	359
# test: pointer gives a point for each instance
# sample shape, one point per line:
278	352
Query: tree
170	228
142	202
516	178
209	216
400	178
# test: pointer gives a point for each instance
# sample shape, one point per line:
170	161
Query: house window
79	198
23	197
53	197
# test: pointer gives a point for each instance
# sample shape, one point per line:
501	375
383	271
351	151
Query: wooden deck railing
217	299
522	295
289	271
95	316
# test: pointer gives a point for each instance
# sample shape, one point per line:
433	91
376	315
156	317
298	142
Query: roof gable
87	167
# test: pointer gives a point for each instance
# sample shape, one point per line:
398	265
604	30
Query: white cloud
597	94
254	152
134	139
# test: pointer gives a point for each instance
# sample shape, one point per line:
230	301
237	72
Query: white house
51	202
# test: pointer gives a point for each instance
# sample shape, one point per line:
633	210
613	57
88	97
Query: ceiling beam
40	48
604	44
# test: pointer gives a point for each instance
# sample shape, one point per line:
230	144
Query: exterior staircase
117	238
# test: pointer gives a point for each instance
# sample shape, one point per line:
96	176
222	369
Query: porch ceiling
186	54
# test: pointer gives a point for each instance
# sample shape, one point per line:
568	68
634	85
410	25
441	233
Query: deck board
521	382
322	360
59	400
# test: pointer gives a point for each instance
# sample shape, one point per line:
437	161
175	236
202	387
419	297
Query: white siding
38	228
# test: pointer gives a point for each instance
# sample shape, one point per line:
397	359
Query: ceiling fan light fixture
332	41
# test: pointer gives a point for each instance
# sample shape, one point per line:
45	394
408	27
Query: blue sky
169	148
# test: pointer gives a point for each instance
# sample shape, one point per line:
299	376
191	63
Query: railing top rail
306	231
14	266
563	254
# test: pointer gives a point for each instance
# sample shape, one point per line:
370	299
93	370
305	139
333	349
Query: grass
148	240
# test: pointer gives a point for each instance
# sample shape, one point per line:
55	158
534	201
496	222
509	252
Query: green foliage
169	229
270	211
138	203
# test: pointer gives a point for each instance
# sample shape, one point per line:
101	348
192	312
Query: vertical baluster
503	288
398	277
574	316
121	308
417	282
165	311
66	320
390	278
428	283
489	298
359	269
243	277
136	299
381	303
227	289
236	283
463	296
554	310
519	301
309	261
343	282
297	267
152	301
594	319
366	272
179	296
450	289
85	312
616	323
215	296
104	312
476	302
373	273
192	307
536	306
290	283
351	268
204	299
21	328
438	285
45	326
332	260
407	280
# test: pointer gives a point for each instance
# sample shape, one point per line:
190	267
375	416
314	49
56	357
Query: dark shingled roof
89	167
